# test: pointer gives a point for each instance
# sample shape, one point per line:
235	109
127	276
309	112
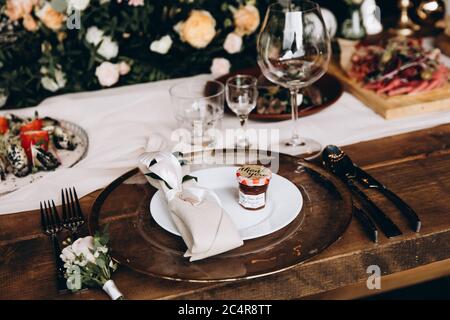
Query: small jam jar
253	183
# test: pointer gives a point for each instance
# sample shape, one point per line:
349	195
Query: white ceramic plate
284	202
68	159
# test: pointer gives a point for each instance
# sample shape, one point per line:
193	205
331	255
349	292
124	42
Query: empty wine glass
241	94
294	51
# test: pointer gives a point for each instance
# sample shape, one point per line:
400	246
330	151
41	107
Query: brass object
405	26
429	12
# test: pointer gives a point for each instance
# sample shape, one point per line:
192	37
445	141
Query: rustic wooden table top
414	165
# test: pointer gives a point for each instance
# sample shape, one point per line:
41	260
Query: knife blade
370	182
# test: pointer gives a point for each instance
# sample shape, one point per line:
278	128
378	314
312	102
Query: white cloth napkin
204	226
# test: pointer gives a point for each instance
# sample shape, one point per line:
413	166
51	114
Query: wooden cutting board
397	106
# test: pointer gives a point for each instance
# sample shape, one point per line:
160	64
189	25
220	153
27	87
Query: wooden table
415	165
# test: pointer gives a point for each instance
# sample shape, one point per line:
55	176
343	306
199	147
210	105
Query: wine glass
294	51
241	93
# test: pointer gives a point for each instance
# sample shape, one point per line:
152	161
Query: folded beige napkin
204	226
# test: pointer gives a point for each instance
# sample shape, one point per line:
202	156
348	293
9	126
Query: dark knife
335	160
386	225
367	223
363	218
370	182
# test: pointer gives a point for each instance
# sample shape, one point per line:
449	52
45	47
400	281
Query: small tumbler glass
198	107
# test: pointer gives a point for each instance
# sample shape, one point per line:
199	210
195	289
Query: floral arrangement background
59	46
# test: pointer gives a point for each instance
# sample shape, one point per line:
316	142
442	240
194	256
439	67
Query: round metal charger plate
138	242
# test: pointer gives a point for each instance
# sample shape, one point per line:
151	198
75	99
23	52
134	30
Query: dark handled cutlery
73	217
367	223
370	182
51	225
363	218
338	162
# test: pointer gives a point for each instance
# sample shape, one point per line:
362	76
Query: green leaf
101	263
188	177
156	177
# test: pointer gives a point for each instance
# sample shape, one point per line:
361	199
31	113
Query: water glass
198	107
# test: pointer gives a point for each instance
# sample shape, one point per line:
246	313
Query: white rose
67	254
53	84
124	68
94	35
107	74
109	48
330	22
162	45
84	246
220	66
233	43
79	5
3	97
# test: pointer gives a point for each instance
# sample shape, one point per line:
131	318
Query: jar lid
253	175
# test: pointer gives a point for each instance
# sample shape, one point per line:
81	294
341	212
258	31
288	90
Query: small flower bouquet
88	264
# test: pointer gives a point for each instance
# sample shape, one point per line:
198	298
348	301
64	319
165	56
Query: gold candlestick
405	26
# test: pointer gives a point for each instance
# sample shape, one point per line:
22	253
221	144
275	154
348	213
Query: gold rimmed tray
138	242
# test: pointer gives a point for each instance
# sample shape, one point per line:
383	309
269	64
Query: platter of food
399	67
32	147
396	77
273	101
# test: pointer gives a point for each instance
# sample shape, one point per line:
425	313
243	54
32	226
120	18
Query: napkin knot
197	213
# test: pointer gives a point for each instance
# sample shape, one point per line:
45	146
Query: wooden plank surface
396	106
414	165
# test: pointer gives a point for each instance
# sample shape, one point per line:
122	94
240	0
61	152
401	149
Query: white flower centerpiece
88	264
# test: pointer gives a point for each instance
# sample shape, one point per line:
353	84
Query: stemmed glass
241	93
294	51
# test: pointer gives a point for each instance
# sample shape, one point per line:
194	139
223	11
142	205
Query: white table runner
120	120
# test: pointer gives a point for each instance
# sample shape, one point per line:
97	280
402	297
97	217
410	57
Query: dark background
389	10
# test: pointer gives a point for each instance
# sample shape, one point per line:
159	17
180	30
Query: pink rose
220	66
124	68
135	3
233	43
107	74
